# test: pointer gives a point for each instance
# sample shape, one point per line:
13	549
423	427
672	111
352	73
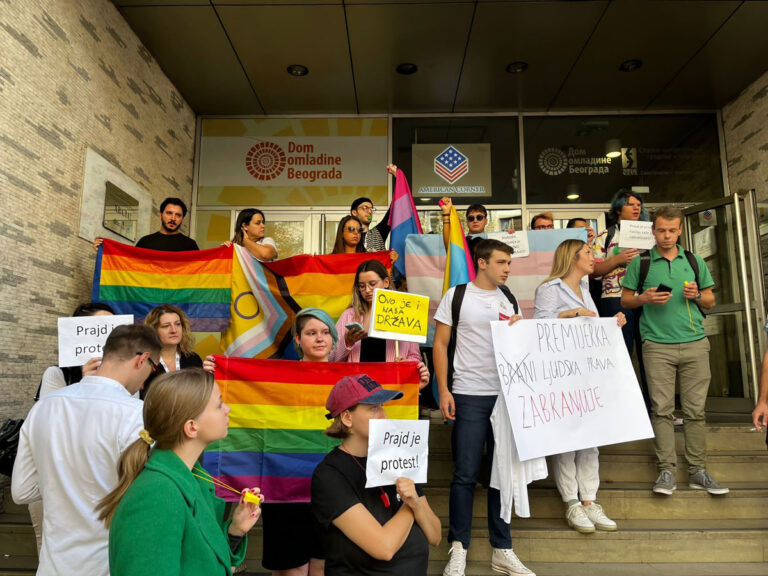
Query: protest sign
517	241
569	384
82	337
399	316
397	448
636	234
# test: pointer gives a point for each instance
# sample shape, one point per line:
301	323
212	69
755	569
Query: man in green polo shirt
672	331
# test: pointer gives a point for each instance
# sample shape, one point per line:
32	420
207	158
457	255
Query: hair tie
144	435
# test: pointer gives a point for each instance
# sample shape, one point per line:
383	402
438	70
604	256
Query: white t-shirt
474	370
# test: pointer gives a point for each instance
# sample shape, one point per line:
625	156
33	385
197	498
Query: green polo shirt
679	320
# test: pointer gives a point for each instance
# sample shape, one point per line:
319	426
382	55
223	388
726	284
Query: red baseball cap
357	389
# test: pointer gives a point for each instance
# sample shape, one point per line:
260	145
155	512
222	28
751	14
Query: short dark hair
572	222
90	308
176	202
544	215
124	342
485	248
359	201
668	213
477	208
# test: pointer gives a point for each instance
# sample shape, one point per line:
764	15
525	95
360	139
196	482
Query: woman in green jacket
161	518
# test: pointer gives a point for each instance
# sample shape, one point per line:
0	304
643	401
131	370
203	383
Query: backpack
9	444
645	265
458	298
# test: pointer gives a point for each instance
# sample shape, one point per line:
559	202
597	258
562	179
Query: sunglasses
353	229
152	363
479	218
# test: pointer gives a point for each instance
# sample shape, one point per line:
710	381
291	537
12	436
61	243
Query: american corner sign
452	170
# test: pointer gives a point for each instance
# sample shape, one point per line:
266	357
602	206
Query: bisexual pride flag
276	425
135	280
403	219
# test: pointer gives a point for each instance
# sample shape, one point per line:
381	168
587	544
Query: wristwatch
697	297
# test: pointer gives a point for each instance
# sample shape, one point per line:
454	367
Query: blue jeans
471	431
631	331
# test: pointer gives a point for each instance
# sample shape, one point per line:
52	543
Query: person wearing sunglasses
349	236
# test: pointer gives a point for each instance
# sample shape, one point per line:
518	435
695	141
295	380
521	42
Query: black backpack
645	265
9	444
458	298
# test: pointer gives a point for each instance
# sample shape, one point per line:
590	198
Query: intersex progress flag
135	280
403	219
277	420
267	295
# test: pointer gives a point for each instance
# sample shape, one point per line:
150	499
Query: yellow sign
399	316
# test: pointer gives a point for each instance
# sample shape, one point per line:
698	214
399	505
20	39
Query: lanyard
384	495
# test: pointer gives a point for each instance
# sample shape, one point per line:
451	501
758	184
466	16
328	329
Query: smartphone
663	288
354	326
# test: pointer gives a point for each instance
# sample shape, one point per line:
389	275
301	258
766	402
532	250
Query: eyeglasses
478	217
353	229
152	363
366	208
544	227
370	286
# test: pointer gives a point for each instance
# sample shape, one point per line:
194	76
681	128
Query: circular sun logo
553	161
265	161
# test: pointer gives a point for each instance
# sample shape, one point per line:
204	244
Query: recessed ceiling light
407	68
517	67
630	65
572	196
613	148
297	70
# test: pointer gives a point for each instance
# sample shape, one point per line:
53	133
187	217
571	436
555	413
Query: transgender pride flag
403	219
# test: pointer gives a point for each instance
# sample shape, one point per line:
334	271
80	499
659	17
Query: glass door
725	234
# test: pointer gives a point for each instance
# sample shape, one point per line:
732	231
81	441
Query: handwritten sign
636	234
569	384
399	316
82	337
517	241
397	448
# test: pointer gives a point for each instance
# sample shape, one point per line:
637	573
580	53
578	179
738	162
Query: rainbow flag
403	219
459	268
277	420
267	295
135	280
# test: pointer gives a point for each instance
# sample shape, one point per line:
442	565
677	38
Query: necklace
384	495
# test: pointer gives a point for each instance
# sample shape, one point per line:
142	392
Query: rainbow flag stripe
135	280
277	420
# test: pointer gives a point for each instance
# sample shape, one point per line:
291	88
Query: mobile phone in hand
354	326
663	288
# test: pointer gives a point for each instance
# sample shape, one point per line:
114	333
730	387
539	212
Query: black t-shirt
337	485
167	242
373	350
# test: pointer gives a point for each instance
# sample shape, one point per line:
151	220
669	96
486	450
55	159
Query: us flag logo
451	165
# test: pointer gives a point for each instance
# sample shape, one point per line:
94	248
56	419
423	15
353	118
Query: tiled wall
72	75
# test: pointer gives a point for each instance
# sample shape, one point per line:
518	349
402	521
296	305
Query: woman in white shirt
249	233
565	294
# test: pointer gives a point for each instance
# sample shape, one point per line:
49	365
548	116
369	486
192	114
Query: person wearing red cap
381	531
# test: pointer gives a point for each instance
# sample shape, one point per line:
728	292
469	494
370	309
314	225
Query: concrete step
721	437
724	467
597	569
636	541
624	501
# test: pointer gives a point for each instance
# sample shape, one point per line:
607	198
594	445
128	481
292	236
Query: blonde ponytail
130	465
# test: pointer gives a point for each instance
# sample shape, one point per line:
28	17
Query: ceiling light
572	192
297	70
517	67
613	148
572	196
630	65
406	68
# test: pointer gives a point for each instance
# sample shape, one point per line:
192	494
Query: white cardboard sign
569	384
636	234
397	448
82	337
517	241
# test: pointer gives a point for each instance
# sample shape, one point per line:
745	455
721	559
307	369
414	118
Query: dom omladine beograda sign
568	384
399	316
82	337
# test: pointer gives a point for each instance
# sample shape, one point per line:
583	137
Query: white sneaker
504	560
596	515
457	561
578	520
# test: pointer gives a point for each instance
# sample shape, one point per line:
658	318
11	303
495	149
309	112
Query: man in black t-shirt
169	238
